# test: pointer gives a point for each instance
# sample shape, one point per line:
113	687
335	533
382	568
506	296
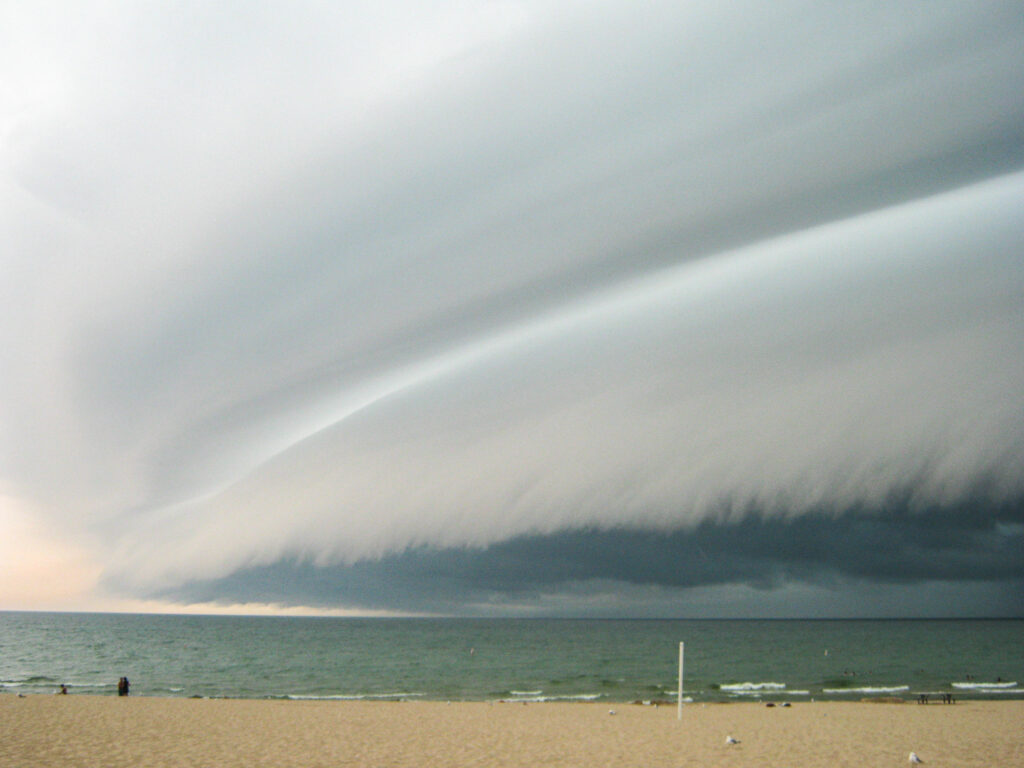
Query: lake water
508	659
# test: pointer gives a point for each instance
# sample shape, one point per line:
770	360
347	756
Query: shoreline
782	697
81	729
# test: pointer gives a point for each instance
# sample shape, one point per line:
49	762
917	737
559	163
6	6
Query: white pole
679	705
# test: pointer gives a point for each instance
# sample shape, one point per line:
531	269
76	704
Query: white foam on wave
752	687
563	697
984	686
879	689
48	685
351	696
525	693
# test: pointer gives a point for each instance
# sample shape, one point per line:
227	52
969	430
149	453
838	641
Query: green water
484	659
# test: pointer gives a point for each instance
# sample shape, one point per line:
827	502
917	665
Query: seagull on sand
914	758
731	740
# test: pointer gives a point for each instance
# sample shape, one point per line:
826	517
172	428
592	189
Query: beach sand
47	730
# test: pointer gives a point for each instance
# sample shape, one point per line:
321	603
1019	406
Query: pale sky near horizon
512	308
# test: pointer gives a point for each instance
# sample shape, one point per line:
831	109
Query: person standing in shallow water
122	686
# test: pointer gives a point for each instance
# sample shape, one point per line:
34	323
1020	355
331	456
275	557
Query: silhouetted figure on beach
63	689
122	686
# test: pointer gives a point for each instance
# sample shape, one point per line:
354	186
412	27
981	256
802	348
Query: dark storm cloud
976	542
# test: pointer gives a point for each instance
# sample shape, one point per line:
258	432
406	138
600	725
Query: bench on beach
947	698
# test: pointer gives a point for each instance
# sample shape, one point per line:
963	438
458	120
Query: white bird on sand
731	740
914	758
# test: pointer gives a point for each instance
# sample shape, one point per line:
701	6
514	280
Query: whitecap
350	696
752	687
553	697
984	686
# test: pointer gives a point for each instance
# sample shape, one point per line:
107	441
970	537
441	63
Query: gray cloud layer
335	288
838	554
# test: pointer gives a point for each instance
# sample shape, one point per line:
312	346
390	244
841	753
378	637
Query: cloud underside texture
612	572
694	400
436	311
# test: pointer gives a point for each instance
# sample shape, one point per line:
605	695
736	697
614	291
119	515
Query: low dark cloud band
972	542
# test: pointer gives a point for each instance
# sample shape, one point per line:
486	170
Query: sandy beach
45	730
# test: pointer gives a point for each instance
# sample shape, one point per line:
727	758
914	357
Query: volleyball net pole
679	700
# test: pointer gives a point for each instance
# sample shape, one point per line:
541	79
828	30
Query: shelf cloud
502	308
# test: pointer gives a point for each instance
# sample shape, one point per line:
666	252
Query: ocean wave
348	696
553	697
985	686
88	687
752	687
869	689
53	684
32	680
652	702
525	693
46	683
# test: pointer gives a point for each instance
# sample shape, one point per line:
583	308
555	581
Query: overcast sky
513	308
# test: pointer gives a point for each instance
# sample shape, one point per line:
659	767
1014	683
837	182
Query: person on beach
122	686
63	689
